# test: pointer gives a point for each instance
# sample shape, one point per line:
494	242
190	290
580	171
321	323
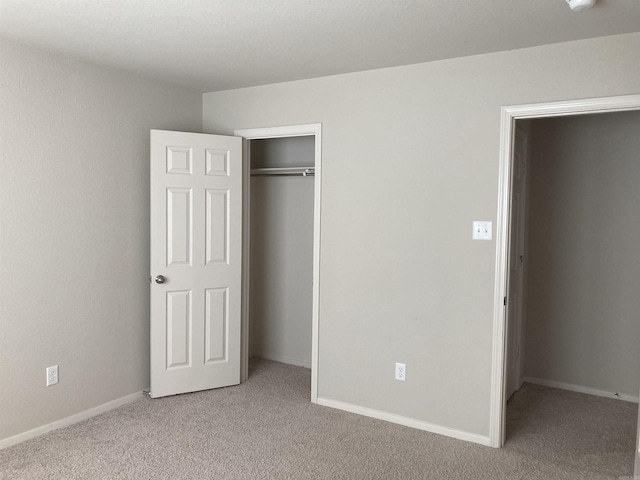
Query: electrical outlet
401	371
52	375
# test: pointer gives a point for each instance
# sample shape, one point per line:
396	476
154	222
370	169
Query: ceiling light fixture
578	5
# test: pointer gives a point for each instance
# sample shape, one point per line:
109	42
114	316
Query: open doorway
510	115
281	245
571	348
581	264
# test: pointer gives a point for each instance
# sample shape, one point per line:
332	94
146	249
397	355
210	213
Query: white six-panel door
196	250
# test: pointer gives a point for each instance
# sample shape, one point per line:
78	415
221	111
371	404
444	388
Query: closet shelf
288	171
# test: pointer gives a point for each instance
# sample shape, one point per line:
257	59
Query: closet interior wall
583	266
281	252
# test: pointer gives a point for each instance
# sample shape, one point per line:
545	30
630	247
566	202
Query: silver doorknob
160	279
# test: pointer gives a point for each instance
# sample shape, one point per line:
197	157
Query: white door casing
509	115
196	245
515	294
249	134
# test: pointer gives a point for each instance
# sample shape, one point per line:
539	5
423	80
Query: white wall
281	288
410	159
583	323
74	238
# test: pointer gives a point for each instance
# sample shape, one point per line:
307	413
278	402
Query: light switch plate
482	230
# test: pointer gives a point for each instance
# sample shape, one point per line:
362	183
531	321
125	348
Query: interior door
515	304
196	250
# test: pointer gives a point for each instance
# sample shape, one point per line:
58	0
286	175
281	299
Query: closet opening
578	174
571	328
281	241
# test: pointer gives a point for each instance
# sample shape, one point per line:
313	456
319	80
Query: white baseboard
580	389
282	359
65	422
406	421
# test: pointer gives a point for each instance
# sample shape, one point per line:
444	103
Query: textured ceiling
209	45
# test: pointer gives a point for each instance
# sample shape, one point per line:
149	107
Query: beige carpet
268	429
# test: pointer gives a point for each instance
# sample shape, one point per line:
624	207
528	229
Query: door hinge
505	301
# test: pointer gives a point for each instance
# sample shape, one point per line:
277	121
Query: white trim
509	116
496	419
246	238
279	132
575	107
283	359
65	422
406	421
580	389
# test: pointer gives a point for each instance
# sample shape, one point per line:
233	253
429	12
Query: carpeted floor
266	428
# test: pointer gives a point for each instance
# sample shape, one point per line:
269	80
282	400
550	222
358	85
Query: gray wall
283	152
281	276
410	159
74	238
583	318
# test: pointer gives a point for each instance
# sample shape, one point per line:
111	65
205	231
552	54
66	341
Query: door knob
160	279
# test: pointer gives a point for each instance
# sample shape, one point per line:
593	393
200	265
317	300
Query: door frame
509	115
311	129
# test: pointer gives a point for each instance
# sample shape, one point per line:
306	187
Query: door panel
178	329
216	324
179	214
196	245
515	304
217	226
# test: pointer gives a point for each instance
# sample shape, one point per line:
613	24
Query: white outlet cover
52	375
482	230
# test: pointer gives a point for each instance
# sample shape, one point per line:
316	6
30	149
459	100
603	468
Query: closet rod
280	172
